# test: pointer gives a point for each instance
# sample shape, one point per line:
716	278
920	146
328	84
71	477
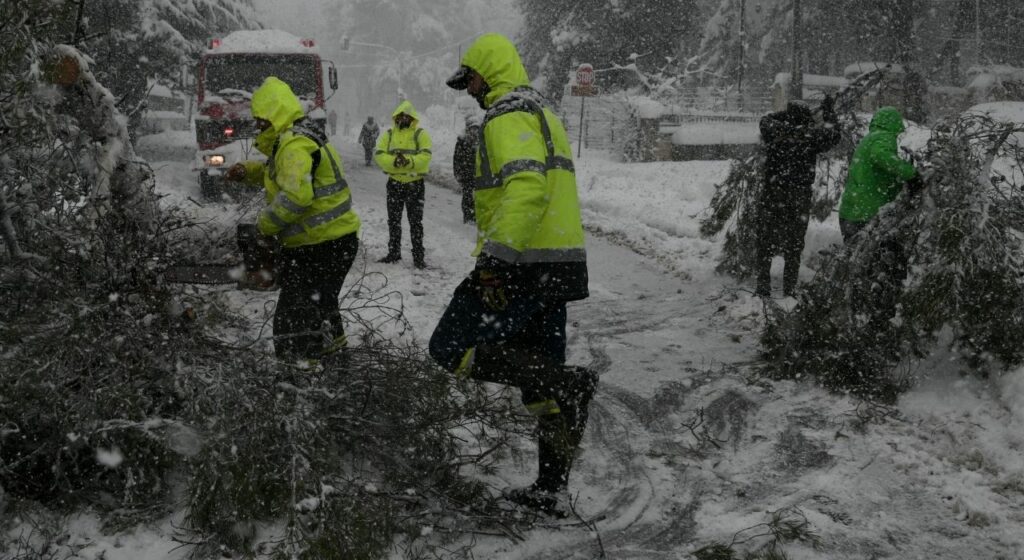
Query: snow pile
647	108
858	68
1003	111
264	40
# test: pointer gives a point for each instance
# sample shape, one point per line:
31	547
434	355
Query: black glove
492	276
401	160
915	184
828	109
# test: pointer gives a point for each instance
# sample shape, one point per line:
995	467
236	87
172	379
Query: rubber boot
558	439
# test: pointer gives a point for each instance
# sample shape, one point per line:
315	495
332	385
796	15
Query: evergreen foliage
786	525
959	245
405	49
734	204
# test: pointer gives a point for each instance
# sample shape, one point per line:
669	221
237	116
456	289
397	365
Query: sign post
583	89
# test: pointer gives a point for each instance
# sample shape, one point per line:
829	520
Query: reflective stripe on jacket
527	208
413	142
305	206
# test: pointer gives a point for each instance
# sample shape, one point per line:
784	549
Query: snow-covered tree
939	38
942	266
405	49
135	41
559	35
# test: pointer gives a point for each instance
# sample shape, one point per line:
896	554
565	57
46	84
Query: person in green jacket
404	153
309	212
877	174
506	322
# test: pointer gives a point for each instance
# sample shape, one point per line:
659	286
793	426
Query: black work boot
558	440
580	385
549	493
390	258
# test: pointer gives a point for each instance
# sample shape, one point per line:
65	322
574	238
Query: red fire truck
229	71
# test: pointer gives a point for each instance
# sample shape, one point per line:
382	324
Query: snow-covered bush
961	245
348	459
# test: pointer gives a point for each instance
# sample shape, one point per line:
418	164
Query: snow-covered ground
685	445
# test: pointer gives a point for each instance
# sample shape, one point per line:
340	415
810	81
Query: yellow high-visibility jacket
304	206
413	142
527	209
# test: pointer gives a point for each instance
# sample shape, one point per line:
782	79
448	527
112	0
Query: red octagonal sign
585	75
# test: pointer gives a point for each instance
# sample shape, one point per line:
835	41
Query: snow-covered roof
1003	111
647	108
813	80
158	90
716	133
1003	71
262	40
986	77
858	68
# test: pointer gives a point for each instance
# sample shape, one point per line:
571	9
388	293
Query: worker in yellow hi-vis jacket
506	322
309	212
403	152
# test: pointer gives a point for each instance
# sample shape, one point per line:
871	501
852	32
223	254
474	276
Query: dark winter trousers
878	292
849	229
307	307
259	252
522	345
368	153
781	229
410	197
468	208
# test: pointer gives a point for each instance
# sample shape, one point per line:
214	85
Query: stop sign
585	75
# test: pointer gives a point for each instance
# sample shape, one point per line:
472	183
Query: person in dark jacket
792	142
368	138
464	165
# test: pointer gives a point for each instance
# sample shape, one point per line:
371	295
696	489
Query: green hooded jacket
302	208
413	142
527	207
876	171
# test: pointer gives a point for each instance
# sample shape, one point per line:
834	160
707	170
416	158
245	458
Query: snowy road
685	446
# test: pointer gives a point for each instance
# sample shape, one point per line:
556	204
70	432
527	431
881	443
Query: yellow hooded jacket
527	208
413	142
303	207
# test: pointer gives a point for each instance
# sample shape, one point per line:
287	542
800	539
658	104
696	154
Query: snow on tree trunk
123	181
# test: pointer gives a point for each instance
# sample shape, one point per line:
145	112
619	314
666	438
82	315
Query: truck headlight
215	160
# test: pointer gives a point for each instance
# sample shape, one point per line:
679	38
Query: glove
401	160
915	184
492	276
828	109
235	173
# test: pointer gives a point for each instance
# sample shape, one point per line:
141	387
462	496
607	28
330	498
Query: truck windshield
246	72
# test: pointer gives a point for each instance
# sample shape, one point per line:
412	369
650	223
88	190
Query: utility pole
743	49
977	31
796	76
